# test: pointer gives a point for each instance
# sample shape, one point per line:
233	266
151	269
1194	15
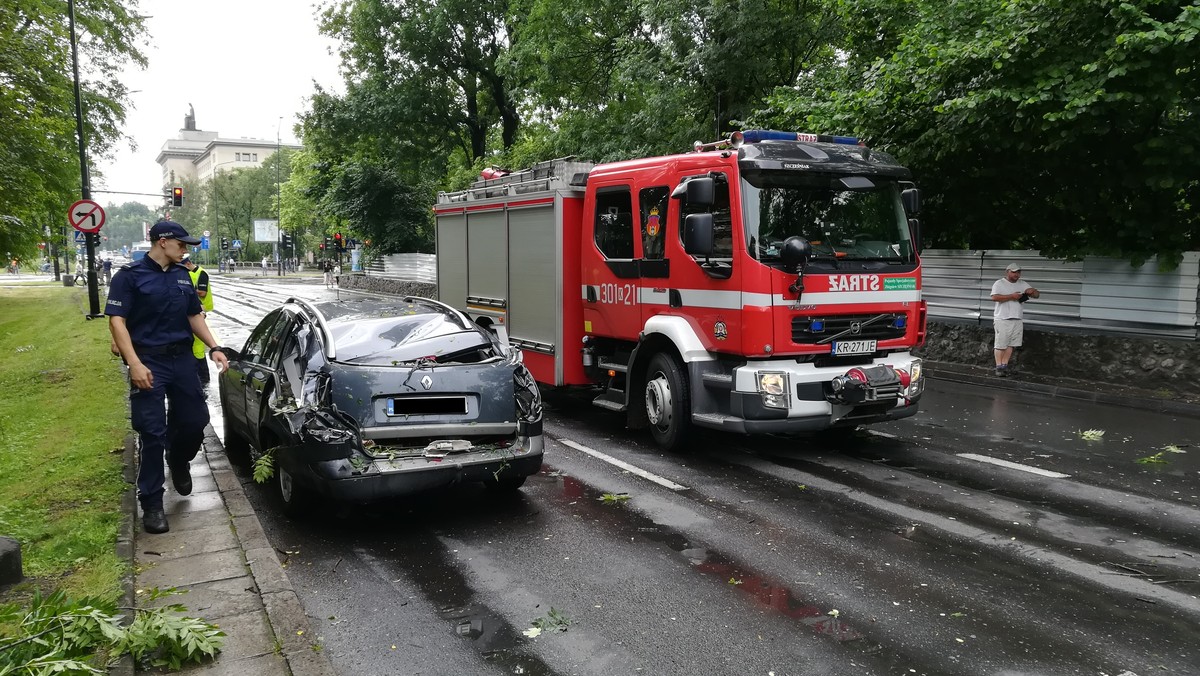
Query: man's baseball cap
1013	267
171	230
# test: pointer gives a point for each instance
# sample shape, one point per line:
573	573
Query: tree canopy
1062	126
39	159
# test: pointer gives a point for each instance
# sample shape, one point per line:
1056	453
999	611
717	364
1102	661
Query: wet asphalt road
904	550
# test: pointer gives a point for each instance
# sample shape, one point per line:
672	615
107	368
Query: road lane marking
667	483
1014	465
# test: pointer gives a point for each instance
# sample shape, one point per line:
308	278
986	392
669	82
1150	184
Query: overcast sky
241	63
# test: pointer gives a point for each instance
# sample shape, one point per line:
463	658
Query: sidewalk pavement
216	550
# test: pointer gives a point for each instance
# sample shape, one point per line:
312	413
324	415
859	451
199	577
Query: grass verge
63	420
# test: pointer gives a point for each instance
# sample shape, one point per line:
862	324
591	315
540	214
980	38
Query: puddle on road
761	590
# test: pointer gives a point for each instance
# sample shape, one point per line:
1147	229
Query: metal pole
278	220
85	182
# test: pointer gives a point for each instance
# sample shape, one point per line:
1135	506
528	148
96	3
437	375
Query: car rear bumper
382	478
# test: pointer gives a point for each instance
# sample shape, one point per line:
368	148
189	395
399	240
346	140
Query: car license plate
854	346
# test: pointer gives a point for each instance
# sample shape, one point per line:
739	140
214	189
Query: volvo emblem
855	328
427	382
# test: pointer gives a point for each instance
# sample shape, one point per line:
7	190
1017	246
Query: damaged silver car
361	400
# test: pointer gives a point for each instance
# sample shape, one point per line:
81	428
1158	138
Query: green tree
231	201
124	224
613	80
426	69
39	162
1061	126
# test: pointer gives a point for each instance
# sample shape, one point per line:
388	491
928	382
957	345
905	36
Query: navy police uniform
156	304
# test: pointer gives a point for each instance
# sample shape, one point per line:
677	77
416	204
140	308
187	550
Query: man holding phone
1009	294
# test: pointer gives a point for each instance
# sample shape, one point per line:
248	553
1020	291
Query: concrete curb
125	550
286	615
1129	398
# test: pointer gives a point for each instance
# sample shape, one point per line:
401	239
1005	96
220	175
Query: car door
610	266
234	379
257	368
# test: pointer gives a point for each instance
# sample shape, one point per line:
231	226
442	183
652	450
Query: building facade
197	155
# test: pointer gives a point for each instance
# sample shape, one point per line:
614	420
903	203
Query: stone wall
1146	363
394	287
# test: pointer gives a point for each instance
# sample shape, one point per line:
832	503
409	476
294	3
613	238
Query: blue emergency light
757	135
816	325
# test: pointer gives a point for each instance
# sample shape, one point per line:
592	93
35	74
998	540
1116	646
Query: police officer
153	313
199	277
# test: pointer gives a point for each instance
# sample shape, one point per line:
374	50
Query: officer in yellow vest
200	280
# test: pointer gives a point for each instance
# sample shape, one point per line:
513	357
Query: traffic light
225	243
322	246
285	241
328	244
338	242
177	196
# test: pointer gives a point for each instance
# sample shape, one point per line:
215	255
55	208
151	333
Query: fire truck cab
767	283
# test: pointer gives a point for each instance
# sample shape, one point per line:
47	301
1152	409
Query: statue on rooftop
189	120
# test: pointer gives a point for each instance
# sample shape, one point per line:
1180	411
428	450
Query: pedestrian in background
200	281
153	314
264	266
1009	294
327	268
107	268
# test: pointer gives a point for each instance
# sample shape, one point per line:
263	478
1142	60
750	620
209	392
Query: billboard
266	230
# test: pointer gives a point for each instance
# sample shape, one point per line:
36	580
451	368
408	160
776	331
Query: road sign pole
85	182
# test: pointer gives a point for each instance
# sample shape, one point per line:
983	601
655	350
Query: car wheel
294	496
668	406
237	449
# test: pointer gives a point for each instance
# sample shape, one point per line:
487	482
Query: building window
237	157
254	158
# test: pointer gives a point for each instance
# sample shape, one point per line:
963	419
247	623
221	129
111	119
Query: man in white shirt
1009	293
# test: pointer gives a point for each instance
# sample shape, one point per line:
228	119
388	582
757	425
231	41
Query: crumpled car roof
386	333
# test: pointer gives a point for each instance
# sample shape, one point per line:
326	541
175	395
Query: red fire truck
765	283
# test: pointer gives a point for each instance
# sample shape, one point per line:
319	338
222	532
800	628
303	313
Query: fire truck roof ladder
561	173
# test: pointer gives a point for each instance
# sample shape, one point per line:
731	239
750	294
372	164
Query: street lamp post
278	220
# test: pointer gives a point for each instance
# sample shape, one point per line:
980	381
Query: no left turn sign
86	216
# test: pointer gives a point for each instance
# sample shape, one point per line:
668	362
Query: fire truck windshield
862	224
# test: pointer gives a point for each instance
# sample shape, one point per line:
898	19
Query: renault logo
427	382
856	328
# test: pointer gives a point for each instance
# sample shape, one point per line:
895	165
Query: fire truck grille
813	330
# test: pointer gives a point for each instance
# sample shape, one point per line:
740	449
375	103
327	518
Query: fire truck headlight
774	389
916	384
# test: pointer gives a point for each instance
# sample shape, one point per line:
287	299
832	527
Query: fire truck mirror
700	192
912	201
698	234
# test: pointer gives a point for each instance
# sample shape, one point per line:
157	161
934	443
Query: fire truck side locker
522	271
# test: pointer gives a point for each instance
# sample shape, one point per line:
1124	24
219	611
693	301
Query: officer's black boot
155	521
181	477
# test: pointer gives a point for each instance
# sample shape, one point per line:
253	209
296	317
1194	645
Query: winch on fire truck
766	283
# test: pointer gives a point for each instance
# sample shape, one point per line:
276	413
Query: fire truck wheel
667	402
